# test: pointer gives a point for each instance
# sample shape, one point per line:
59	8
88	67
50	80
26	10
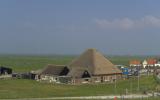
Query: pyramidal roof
94	62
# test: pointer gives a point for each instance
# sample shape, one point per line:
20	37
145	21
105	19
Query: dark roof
2	67
52	70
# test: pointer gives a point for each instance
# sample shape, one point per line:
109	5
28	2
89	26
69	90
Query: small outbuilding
135	63
144	63
5	70
151	62
52	73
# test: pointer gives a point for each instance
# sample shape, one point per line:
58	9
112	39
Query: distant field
28	63
20	88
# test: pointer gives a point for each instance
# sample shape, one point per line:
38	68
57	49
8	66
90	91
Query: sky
113	27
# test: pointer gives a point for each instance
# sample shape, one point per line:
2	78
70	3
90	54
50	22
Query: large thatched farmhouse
90	67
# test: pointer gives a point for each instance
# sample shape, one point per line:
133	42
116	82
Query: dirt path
86	97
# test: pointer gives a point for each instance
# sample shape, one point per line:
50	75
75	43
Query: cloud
128	23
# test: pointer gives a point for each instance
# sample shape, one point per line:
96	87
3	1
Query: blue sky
114	27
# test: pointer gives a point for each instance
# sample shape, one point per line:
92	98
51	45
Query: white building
144	63
157	64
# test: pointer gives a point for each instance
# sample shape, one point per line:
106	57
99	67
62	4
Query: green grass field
20	88
27	63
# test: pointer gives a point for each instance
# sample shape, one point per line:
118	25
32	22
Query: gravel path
86	97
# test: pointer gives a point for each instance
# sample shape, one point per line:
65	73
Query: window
86	74
86	79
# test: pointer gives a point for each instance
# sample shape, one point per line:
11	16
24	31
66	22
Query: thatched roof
94	62
52	70
77	72
36	71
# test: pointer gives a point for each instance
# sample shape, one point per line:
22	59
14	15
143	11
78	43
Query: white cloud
127	23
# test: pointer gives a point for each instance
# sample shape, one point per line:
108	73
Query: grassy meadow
21	88
25	63
28	63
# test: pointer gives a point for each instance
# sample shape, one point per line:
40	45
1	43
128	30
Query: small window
86	79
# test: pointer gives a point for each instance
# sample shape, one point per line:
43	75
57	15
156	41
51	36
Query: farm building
93	67
144	63
90	67
151	62
52	73
135	63
158	63
147	66
27	75
151	65
5	70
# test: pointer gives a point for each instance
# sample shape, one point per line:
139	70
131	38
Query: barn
52	73
93	67
5	70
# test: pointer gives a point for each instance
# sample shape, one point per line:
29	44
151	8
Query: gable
64	71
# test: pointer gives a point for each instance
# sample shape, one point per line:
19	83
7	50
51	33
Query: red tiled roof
151	61
135	62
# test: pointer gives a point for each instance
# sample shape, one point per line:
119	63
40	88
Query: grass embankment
19	88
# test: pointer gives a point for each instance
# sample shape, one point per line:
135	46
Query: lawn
20	88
